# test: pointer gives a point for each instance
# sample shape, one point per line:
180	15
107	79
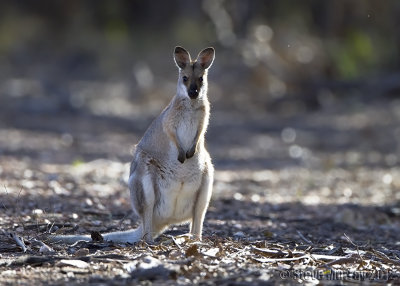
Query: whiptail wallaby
171	175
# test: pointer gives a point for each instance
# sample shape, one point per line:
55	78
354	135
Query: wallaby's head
193	74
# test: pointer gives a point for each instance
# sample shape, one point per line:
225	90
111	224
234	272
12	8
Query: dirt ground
309	196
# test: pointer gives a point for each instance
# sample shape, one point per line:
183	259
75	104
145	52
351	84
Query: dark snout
193	91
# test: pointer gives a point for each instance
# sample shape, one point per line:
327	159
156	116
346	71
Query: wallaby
171	175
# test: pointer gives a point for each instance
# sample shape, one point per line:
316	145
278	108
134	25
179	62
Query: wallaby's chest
187	128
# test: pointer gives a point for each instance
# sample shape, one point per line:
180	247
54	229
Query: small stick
51	227
44	248
18	240
285	259
304	238
385	258
358	248
274	253
175	242
348	259
5	188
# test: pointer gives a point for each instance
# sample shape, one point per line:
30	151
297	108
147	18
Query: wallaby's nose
193	91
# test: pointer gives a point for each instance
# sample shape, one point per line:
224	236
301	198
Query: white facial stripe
182	90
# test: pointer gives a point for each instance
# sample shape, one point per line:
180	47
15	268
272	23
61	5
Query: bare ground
303	197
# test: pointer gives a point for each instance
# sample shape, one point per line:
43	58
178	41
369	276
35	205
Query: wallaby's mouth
193	91
193	94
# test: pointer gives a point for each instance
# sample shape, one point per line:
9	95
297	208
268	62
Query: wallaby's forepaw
190	153
181	156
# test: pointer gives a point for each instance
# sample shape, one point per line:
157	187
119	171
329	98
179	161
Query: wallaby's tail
128	236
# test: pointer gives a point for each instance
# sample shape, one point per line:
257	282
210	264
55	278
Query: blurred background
314	84
304	130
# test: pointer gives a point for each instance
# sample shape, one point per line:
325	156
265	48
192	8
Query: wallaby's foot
195	237
149	239
189	236
185	236
150	242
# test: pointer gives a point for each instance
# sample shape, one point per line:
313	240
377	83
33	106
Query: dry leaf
192	251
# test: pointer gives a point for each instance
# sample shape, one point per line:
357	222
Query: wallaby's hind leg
149	200
201	204
142	198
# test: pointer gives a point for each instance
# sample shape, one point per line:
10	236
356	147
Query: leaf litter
244	242
327	218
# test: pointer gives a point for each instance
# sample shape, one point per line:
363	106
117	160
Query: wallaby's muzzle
193	91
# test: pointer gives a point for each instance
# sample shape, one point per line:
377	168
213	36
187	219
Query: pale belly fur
178	192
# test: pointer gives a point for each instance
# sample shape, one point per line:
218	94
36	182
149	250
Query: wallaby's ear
182	57
206	57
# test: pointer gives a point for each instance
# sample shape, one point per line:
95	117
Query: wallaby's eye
201	79
185	78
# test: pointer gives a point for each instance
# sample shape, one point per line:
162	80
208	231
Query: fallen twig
17	239
274	253
307	256
304	238
343	260
357	247
44	248
175	242
4	206
384	257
